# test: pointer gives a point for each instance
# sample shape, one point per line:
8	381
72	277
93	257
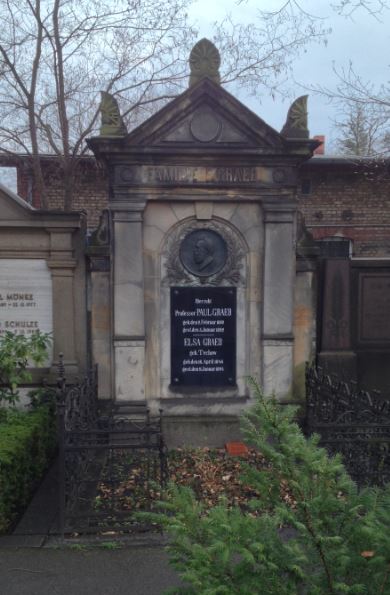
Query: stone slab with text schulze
26	301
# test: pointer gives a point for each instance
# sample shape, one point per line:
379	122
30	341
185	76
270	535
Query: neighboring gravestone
42	279
26	297
355	330
374	309
371	323
336	353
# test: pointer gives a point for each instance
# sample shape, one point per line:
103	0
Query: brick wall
91	190
350	200
337	197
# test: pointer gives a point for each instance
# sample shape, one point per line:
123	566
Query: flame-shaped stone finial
204	62
296	123
112	123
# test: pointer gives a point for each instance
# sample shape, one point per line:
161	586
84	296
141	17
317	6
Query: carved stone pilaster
128	302
279	275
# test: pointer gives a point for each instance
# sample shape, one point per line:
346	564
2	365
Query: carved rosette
231	274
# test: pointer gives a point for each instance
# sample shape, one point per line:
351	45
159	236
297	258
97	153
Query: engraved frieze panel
165	175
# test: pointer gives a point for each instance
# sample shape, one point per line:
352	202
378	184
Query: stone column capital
62	268
123	204
279	213
127	216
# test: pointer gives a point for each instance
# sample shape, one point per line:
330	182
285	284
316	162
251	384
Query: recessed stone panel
25	296
374	298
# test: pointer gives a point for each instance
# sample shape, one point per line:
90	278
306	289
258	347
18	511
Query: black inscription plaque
203	336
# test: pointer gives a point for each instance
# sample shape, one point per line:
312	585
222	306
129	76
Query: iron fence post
60	411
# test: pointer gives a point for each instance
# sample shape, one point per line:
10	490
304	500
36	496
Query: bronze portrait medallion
203	252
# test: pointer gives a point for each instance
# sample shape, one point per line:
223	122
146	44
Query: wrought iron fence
350	421
111	465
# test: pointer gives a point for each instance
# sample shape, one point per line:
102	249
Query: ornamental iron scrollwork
352	422
110	461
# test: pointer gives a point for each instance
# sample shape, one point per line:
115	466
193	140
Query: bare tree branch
373	7
57	55
362	129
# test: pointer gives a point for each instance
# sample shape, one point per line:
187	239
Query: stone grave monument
42	281
194	270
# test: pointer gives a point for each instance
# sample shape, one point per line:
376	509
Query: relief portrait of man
203	252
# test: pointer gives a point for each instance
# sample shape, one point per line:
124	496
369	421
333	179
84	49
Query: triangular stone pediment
206	116
206	125
12	206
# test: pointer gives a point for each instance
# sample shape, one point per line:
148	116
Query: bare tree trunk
29	98
40	186
39	182
69	176
61	107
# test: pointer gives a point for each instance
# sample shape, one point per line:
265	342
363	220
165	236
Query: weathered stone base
199	431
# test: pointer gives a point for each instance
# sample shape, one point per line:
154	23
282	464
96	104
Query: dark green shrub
17	353
333	539
27	444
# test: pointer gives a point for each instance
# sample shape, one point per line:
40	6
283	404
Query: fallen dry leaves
211	473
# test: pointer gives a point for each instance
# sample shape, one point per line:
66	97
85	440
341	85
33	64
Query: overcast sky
361	39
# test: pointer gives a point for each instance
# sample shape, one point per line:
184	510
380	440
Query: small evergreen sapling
332	540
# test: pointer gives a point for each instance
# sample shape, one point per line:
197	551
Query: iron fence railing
351	421
111	466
